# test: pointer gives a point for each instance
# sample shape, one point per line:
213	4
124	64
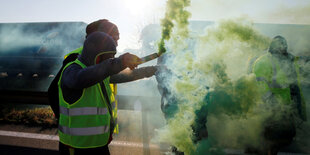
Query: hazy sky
262	11
132	15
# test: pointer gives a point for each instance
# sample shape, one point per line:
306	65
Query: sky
129	15
132	15
262	11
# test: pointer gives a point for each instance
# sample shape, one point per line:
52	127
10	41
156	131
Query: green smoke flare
175	14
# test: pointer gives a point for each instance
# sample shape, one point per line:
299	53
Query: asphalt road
136	132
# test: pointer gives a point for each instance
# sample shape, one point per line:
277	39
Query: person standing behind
277	73
86	122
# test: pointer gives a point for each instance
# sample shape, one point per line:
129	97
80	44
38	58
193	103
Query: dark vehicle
32	53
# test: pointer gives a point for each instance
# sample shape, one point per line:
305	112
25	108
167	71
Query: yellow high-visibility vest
112	86
273	81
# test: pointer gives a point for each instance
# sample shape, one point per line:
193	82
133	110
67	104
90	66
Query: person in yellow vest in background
86	121
277	73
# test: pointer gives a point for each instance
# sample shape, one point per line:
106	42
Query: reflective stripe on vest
83	111
84	131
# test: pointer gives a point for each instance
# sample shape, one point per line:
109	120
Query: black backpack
53	96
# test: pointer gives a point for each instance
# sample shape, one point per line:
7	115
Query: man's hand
130	60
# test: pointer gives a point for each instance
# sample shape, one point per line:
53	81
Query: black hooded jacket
75	78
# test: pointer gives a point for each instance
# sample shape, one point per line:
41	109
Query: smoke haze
214	70
264	11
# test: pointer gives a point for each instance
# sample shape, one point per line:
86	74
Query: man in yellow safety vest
86	102
277	73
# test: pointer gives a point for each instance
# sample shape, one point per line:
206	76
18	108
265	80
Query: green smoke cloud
175	15
217	65
214	90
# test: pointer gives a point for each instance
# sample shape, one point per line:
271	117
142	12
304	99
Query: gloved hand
130	60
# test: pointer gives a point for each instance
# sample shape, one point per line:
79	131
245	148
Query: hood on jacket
278	45
96	44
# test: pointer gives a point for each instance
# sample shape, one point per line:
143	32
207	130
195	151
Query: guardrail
41	98
135	103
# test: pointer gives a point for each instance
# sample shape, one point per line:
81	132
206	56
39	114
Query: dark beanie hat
102	25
